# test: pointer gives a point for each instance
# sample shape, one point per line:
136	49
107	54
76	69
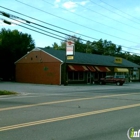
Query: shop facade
49	66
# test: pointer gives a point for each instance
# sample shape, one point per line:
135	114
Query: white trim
35	49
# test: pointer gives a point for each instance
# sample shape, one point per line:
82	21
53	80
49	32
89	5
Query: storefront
124	72
86	73
134	74
49	66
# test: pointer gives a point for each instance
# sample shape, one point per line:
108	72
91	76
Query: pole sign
69	48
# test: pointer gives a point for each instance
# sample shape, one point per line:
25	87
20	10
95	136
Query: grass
5	92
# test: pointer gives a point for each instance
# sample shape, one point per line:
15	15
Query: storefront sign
70	57
118	60
70	48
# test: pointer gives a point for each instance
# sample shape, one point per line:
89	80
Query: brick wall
38	67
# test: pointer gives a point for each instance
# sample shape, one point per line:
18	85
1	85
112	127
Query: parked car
117	79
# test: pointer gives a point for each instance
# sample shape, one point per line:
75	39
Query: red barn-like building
49	66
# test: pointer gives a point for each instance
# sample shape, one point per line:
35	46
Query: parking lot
73	112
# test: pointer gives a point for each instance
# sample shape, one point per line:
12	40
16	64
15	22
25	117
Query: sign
70	48
70	57
118	60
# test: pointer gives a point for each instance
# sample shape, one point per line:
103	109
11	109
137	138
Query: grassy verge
5	92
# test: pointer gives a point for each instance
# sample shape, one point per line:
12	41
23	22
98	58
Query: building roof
89	59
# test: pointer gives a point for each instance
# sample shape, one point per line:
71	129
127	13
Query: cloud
57	1
137	9
69	5
84	2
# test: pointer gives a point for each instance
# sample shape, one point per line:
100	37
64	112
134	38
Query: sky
117	21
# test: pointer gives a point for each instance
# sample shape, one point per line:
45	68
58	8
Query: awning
121	70
91	68
77	68
102	69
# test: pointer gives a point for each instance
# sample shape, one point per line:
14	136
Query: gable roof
89	59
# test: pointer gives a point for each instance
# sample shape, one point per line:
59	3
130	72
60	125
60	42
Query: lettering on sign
118	60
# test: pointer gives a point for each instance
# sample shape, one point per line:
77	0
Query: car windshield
119	76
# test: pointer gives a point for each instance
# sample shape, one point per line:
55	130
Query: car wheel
118	83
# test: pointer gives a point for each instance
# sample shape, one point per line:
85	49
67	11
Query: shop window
81	75
70	75
135	75
75	76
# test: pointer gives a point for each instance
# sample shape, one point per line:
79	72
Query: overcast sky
115	20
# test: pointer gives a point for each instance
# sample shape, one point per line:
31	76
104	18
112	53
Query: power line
47	28
120	10
5	21
48	32
49	23
77	23
93	20
56	26
113	12
30	22
108	17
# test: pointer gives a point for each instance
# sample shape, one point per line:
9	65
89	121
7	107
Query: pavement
73	112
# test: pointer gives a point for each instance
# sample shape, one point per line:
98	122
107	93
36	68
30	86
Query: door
90	77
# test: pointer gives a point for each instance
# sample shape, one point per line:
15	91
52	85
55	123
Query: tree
102	47
13	45
56	46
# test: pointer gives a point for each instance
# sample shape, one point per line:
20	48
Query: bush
5	92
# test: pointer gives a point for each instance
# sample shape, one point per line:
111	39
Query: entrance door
90	77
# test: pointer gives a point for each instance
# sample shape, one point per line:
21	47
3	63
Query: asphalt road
82	112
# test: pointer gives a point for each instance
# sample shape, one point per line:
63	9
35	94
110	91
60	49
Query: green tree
105	47
13	45
56	46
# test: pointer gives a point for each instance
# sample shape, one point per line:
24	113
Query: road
82	112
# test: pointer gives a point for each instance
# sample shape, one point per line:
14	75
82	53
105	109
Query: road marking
5	128
63	101
28	96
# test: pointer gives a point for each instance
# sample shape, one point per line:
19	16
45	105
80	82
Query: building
49	66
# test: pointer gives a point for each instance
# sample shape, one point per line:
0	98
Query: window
75	76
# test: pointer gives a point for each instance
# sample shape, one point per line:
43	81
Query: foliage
13	45
102	47
5	92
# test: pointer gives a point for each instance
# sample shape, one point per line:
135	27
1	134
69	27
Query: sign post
69	56
70	49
